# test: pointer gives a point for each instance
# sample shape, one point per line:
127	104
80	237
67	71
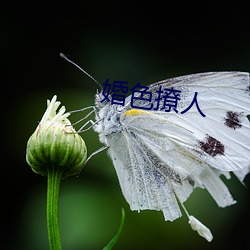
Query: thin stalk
54	177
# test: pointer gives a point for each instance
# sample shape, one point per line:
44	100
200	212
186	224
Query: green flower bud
55	144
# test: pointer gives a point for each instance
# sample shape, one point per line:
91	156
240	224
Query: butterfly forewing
222	137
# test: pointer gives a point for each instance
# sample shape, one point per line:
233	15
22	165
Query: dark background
127	41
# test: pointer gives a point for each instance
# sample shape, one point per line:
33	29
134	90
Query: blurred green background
118	40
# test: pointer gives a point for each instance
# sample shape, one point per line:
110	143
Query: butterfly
161	157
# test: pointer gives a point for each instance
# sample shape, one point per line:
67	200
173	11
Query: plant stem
54	177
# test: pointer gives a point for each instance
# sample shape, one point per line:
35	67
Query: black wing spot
232	120
191	181
212	146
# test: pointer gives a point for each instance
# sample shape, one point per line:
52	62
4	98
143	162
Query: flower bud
55	144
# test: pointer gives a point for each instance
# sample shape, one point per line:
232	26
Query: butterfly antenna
68	60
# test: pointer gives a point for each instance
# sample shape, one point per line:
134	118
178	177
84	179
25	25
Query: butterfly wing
159	154
141	183
223	136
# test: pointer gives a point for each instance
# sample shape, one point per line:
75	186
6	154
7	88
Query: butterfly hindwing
172	152
142	184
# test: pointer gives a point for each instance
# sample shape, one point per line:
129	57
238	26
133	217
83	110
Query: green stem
54	177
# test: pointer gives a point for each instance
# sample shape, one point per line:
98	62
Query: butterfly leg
86	116
91	155
96	152
83	129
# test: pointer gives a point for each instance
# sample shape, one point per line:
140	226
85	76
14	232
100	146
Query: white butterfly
160	157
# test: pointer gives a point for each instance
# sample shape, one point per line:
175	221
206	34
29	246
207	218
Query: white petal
51	114
50	110
200	228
